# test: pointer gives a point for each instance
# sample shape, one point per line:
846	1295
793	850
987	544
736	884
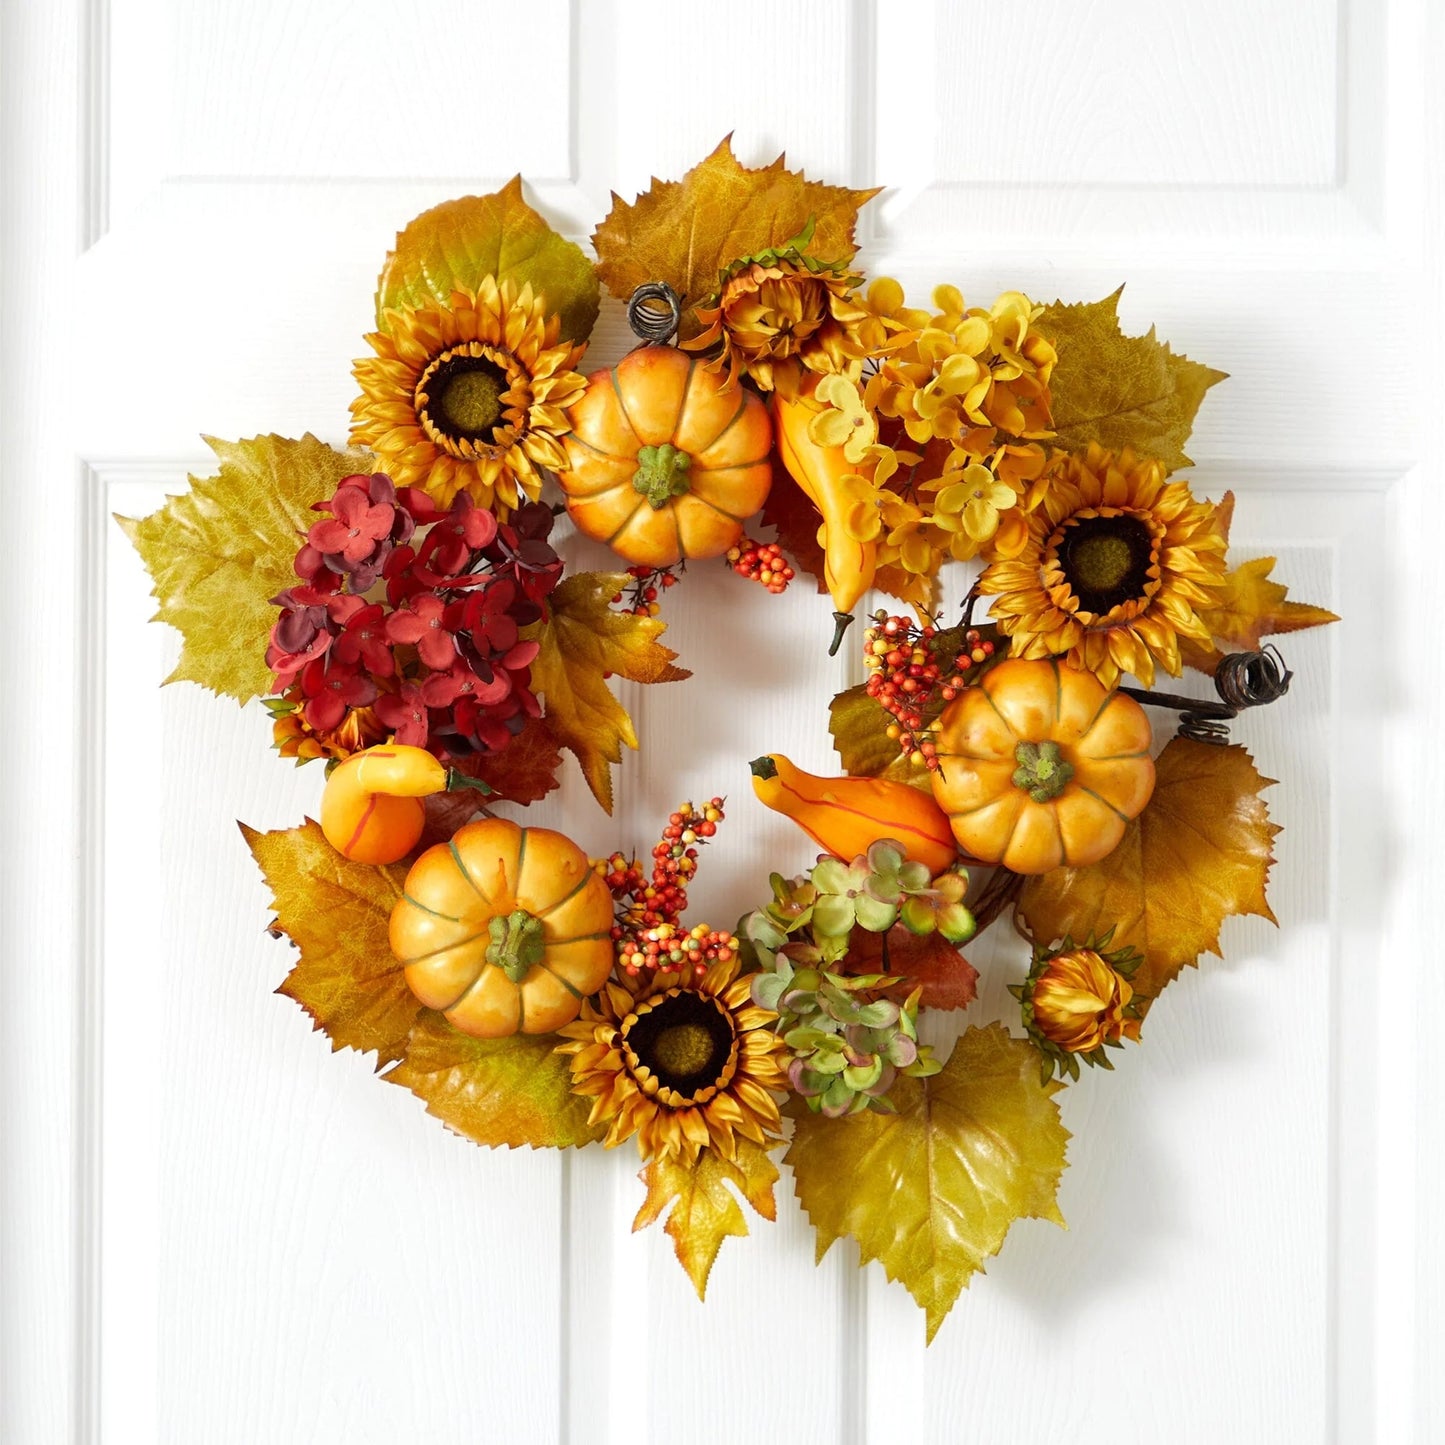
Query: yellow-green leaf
704	1212
932	1190
220	552
1120	390
337	913
582	640
857	723
1198	853
459	242
508	1091
685	232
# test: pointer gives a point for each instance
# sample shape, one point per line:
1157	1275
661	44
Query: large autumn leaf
1251	607
583	641
1120	390
459	242
1198	853
704	1211
685	232
932	1190
220	552
508	1091
336	912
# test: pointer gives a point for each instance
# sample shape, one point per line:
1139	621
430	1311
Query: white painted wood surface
211	1229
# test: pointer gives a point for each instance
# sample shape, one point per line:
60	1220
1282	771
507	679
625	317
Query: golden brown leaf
1120	390
932	1190
510	1091
1198	853
1252	606
685	232
705	1212
337	912
220	552
459	242
582	641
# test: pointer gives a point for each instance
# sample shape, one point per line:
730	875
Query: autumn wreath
403	611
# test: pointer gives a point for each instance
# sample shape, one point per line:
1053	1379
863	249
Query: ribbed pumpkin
1041	766
666	458
504	929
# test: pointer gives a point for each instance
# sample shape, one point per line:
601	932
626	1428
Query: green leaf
337	913
508	1091
221	551
459	242
932	1189
1120	390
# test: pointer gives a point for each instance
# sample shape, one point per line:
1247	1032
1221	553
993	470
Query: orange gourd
1041	766
666	458
504	929
846	816
372	809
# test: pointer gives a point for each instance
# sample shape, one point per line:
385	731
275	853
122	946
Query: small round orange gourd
1041	766
372	809
666	458
504	929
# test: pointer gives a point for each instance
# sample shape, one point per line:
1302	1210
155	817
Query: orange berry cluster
760	562
648	584
648	934
905	675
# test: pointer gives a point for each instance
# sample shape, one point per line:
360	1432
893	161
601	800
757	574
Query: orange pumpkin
666	458
504	929
1041	766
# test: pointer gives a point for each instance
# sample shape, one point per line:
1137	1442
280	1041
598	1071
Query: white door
213	1228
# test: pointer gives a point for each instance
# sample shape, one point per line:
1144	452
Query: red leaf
948	979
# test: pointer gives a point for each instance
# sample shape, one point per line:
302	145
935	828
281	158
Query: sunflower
471	396
682	1068
1117	564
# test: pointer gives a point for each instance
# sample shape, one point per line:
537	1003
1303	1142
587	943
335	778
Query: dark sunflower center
1106	560
465	396
685	1040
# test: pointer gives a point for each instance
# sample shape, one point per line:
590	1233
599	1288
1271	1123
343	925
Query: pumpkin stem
517	944
662	474
842	621
1042	772
764	767
457	782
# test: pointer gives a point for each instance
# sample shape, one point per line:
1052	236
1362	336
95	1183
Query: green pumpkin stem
517	944
662	474
1042	772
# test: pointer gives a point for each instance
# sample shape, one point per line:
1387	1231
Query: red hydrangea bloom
405	713
421	622
354	527
363	640
330	688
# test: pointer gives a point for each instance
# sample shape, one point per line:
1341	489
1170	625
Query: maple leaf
583	640
510	1091
1198	853
219	553
337	913
686	232
932	1190
1251	607
1120	390
928	962
704	1212
459	242
525	771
